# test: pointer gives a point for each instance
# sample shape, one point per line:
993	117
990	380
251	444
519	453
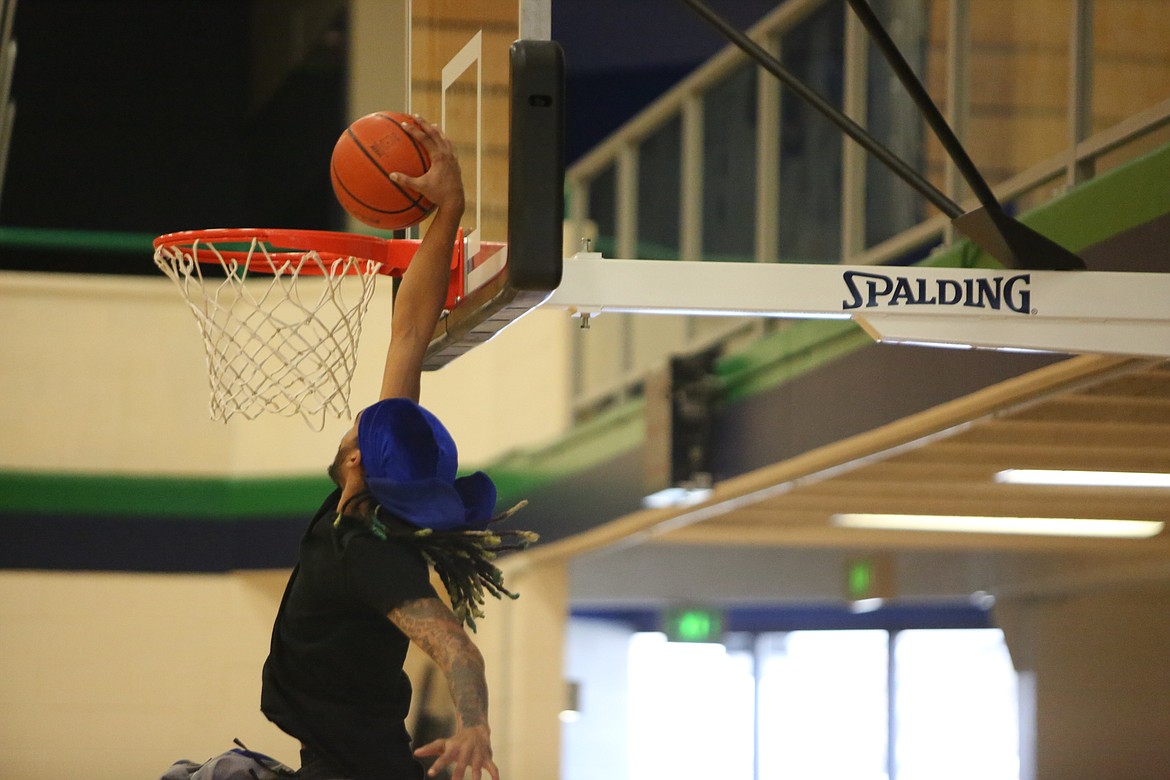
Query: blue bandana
411	461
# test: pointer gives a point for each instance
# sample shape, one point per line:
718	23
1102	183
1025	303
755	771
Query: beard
334	470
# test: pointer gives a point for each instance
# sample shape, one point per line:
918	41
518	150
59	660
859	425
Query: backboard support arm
1004	238
1021	310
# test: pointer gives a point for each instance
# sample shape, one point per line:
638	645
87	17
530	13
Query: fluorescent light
921	343
1042	526
699	311
676	497
1094	478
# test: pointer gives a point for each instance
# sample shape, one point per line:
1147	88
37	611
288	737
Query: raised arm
423	288
432	626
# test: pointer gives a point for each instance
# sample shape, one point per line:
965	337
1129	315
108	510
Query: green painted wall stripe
77	240
1121	199
206	498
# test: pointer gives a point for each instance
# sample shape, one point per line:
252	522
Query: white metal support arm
1052	311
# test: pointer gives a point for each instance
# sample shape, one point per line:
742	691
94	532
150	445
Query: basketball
366	154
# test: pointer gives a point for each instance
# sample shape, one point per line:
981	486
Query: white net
283	340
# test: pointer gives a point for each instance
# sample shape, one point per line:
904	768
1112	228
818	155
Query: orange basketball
366	154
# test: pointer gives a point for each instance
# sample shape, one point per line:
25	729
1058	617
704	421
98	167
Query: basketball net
275	342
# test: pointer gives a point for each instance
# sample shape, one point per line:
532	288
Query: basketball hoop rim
280	245
304	253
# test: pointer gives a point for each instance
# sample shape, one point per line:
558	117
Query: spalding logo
868	291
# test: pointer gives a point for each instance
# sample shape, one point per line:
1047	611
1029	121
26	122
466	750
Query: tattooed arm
432	626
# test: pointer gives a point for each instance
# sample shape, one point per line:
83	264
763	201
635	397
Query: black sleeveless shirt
334	677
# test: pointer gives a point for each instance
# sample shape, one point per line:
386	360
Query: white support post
626	201
1080	90
578	230
958	102
767	238
578	239
627	234
853	157
690	239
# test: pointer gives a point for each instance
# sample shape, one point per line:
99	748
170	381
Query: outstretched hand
442	184
469	748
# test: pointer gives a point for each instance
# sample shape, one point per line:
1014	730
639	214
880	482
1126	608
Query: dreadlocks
464	560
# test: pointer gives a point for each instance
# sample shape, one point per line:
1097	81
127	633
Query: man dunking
361	590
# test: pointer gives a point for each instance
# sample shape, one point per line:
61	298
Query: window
690	710
837	704
823	704
956	712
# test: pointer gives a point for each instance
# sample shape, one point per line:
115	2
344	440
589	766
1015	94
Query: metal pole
929	110
847	125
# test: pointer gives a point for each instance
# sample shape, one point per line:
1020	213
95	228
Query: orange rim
208	246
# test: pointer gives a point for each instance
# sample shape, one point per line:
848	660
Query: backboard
488	73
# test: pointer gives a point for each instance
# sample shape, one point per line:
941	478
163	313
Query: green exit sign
870	577
693	624
859	579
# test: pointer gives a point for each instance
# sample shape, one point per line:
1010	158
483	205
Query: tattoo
435	629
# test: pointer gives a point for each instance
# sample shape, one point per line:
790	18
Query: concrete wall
116	675
1098	665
